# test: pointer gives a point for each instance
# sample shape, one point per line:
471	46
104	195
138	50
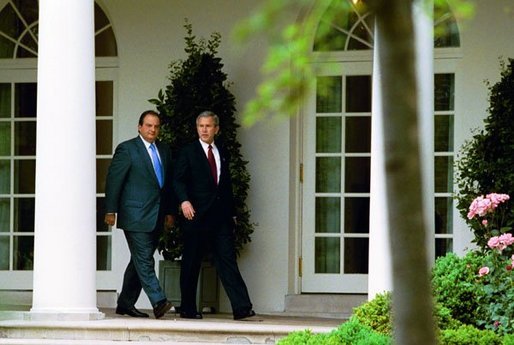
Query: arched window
18	95
347	25
19	31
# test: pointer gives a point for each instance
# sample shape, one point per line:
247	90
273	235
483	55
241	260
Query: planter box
207	294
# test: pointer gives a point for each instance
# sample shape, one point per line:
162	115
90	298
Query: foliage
468	335
455	285
485	162
376	313
351	332
497	281
196	84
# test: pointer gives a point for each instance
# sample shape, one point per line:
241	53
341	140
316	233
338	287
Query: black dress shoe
191	315
161	308
245	314
130	312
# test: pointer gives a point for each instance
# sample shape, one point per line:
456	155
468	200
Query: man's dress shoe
130	312
245	314
161	308
190	315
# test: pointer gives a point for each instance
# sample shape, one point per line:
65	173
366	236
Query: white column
65	221
380	265
424	38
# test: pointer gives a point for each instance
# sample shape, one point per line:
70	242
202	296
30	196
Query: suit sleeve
169	198
180	176
118	169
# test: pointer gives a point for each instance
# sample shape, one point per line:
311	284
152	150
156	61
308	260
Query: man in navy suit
138	193
203	187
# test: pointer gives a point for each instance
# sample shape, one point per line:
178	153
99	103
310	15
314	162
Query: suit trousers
216	237
140	272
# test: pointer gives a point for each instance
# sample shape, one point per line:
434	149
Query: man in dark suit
138	191
203	188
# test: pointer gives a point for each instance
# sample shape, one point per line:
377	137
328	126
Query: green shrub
351	332
376	313
468	335
508	339
455	285
485	162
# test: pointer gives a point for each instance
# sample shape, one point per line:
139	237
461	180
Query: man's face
149	130
207	129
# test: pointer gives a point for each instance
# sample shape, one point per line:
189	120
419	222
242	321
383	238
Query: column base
64	315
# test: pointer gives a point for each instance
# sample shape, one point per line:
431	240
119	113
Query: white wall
484	39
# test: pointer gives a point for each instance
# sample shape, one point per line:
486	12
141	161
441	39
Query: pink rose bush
496	274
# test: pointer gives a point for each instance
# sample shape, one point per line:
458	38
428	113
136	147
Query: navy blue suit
133	192
211	229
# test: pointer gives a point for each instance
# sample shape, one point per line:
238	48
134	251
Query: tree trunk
412	297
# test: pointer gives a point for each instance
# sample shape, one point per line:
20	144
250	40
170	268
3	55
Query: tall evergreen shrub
196	84
486	162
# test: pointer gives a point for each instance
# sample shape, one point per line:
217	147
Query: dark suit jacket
192	180
132	189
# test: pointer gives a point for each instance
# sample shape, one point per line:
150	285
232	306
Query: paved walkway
124	330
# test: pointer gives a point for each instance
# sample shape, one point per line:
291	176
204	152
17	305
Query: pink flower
485	222
506	239
484	205
483	271
493	242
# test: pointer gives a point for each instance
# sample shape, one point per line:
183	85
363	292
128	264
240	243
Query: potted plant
198	83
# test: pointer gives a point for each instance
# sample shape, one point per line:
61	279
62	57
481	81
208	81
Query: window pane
5	176
104	94
356	252
443	215
31	45
100	19
103	253
327	255
358	93
25	99
105	43
356	215
357	175
104	137
328	94
4	253
443	174
23	253
443	246
328	174
328	134
443	132
102	166
5	99
10	23
25	138
5	138
24	214
444	92
328	215
358	134
28	9
5	215
6	47
24	176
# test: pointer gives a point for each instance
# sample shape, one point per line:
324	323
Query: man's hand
187	210
110	219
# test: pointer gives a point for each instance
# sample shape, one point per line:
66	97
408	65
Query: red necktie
212	163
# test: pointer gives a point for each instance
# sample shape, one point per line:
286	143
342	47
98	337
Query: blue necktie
156	164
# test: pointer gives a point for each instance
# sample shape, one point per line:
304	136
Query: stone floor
121	330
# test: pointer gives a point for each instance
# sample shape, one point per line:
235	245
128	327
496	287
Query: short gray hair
208	113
